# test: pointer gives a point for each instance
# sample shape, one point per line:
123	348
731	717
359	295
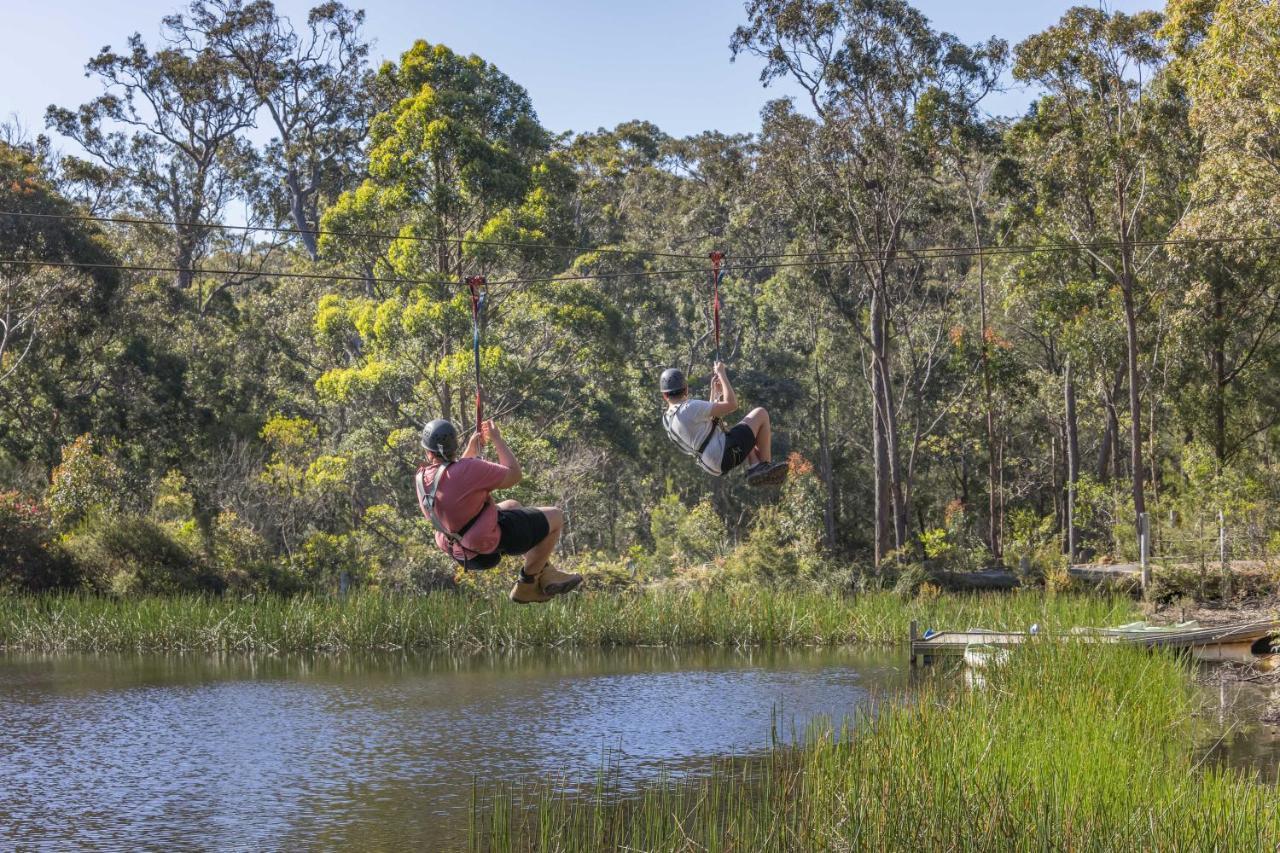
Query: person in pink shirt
455	493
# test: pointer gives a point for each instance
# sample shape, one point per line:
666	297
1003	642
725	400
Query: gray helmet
673	381
441	437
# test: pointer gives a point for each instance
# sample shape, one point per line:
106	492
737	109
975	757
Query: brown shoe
552	581
528	591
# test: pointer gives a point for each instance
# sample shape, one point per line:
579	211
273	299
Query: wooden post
914	628
1222	556
1144	549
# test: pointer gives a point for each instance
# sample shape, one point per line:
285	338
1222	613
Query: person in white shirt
694	425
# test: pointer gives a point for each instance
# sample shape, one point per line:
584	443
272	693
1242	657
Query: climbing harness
668	419
427	500
479	295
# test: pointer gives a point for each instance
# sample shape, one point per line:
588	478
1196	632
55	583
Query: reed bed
1066	747
374	620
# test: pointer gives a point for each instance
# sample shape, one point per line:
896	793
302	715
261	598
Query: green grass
457	621
1068	747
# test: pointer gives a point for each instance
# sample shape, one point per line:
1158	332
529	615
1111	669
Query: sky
587	64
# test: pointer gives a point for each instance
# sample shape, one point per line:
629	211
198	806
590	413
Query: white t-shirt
688	425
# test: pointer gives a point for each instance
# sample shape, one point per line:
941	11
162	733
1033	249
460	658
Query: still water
146	751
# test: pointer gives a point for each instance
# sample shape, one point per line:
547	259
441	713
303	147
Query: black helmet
441	437
673	381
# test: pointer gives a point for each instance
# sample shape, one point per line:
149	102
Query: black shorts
520	530
738	442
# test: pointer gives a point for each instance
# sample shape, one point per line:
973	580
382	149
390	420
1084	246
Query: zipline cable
1014	248
937	253
370	235
748	261
479	294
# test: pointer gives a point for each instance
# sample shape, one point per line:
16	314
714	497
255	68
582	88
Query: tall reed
446	620
1067	747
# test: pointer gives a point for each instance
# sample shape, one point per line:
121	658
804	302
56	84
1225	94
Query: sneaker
552	581
767	474
528	591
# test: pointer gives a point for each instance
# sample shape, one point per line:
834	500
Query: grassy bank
371	620
1066	748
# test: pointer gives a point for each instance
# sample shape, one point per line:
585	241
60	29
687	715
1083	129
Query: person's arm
474	445
728	398
505	457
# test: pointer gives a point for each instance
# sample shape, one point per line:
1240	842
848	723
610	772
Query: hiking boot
552	581
767	474
528	591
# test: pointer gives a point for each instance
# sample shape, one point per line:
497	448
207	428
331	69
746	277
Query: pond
124	751
374	751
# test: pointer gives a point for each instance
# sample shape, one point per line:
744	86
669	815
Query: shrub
30	560
243	559
1059	580
685	536
603	572
764	556
85	483
133	554
911	577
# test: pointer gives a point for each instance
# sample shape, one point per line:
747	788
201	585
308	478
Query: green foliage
131	554
270	422
743	616
30	559
685	536
85	484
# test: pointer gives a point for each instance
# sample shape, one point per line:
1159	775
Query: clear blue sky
586	63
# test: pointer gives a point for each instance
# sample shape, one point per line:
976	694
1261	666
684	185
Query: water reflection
1241	737
211	751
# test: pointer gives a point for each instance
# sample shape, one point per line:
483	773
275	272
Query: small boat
985	655
1217	642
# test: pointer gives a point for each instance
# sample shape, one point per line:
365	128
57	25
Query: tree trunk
297	209
885	507
825	468
993	516
1073	457
1219	374
1135	405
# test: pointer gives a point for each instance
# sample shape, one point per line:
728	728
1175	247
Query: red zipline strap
479	292
716	259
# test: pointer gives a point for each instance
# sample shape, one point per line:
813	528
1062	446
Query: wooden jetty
1215	642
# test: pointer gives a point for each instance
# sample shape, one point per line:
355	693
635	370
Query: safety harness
427	500
668	420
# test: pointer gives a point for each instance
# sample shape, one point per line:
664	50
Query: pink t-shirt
464	488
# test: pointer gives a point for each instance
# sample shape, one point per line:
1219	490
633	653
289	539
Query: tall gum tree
312	85
169	130
874	72
1112	129
1226	54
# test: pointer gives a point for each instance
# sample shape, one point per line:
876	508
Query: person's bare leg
510	504
536	558
758	420
753	458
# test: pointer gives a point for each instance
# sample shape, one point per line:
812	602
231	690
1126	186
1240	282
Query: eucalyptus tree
312	84
877	77
1225	53
168	132
1110	156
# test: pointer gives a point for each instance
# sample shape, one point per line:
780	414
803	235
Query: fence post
1071	523
1144	549
1222	556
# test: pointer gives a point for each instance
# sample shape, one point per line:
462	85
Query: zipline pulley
716	259
479	295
